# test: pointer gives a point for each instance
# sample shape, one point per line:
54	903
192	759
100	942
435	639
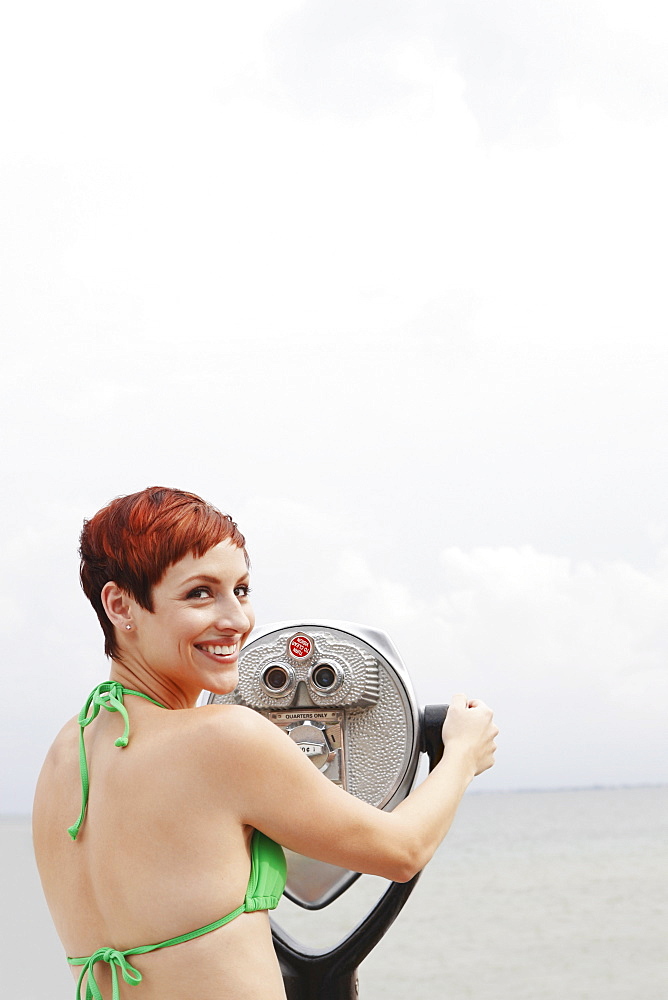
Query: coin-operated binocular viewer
342	693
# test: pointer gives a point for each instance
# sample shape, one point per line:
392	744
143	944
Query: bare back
159	855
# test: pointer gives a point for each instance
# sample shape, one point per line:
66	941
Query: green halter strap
108	695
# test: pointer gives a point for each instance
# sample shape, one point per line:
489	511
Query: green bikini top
267	872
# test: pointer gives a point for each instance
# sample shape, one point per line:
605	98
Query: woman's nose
232	615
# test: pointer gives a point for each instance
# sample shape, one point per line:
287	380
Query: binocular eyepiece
280	679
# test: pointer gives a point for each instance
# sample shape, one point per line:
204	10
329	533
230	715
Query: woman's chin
224	685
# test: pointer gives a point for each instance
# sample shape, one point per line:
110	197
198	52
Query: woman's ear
116	603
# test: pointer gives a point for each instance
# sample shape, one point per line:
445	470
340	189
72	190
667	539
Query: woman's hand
469	727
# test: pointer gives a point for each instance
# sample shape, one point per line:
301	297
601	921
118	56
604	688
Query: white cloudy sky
384	280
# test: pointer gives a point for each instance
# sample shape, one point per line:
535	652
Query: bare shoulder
240	747
232	728
220	718
64	747
229	748
57	780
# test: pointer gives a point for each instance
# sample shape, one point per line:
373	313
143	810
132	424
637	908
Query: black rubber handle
433	717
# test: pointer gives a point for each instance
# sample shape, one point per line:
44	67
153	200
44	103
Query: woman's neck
138	677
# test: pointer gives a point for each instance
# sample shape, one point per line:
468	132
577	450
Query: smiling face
201	618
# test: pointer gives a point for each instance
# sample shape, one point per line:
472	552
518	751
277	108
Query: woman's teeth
220	650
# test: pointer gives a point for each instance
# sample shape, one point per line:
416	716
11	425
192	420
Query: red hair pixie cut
133	541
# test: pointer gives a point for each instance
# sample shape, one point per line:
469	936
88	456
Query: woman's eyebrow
201	576
205	578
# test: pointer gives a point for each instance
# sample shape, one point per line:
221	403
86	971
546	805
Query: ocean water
533	896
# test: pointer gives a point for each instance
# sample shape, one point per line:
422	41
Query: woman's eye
199	593
242	591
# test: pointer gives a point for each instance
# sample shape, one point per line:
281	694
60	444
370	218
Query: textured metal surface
379	746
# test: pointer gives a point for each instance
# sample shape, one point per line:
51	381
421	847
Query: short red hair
134	539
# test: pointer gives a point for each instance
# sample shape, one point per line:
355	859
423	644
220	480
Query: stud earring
128	626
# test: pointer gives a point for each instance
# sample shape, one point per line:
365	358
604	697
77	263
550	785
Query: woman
150	886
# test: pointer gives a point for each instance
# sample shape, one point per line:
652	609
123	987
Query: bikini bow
116	960
109	695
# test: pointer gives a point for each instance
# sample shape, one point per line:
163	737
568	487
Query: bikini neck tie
114	958
107	695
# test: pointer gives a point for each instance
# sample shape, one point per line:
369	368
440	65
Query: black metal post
312	974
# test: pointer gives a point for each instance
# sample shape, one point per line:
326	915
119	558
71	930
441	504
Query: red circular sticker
300	646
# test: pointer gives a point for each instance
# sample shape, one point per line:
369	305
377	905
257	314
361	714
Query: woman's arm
268	781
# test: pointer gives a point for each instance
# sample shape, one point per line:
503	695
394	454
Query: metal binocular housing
341	692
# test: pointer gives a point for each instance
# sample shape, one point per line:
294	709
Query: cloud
515	59
529	616
540	616
570	653
505	617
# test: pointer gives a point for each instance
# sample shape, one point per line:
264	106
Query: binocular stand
311	974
